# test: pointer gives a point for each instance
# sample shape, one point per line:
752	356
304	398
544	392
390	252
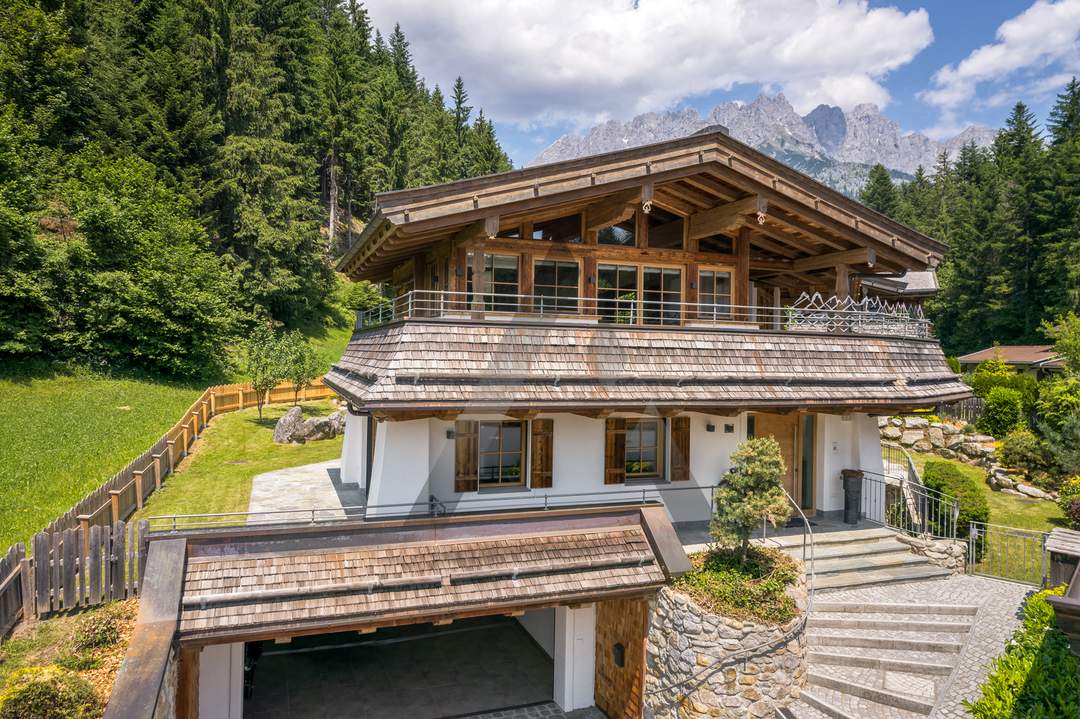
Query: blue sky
541	68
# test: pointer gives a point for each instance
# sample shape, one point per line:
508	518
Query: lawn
62	434
217	476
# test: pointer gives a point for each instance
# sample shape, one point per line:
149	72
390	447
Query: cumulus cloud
556	61
1032	55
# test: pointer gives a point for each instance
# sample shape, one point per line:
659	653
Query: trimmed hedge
1037	677
1004	412
945	477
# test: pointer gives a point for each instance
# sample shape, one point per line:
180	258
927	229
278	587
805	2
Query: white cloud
555	61
1033	53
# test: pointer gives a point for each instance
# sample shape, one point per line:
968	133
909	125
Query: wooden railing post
204	411
240	398
137	475
213	402
195	425
157	472
26	579
184	439
84	529
171	453
114	504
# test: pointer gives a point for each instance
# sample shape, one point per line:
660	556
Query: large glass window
665	230
621	234
556	286
714	295
500	454
616	293
500	282
562	229
661	296
644	448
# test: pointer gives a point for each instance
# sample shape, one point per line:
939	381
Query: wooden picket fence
91	558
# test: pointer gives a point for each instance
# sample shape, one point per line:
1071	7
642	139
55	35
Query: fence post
195	425
204	410
213	402
114	504
171	444
137	475
84	527
184	441
157	472
240	398
26	580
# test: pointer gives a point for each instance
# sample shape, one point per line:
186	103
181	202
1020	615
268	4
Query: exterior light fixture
710	427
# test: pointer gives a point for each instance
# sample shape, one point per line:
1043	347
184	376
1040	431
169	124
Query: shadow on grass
27	371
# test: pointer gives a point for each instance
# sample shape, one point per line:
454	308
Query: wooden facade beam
859	256
741	287
482	229
612	210
727	218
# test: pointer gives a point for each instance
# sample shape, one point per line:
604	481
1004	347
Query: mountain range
833	146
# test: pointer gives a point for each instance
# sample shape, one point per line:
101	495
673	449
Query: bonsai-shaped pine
300	363
262	355
752	492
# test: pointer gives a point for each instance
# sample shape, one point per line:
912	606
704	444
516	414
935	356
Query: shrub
1037	676
1063	446
1023	450
947	477
754	587
47	693
1059	399
1072	513
752	492
99	629
1004	412
954	365
1068	496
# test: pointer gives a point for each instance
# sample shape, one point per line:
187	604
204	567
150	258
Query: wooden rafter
726	219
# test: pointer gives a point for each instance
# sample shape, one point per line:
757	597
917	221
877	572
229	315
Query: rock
319	428
971	449
954	440
896	422
947	453
288	428
949	429
892	433
936	436
910	437
981	438
916	422
882	422
1011	491
1006	482
922	446
1030	491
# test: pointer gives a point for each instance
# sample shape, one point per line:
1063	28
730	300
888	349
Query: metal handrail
812	315
923	511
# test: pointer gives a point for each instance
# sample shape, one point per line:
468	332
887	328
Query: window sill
646	482
504	490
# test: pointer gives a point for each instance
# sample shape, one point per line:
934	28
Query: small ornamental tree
300	363
262	355
752	492
1004	412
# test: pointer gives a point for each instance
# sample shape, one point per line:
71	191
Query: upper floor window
500	282
621	235
661	296
617	293
714	295
556	285
561	229
500	453
665	230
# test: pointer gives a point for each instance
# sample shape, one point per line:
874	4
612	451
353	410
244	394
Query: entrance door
794	433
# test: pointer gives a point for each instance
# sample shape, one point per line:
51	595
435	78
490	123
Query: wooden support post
641	229
187	683
777	321
479	282
84	531
204	408
184	439
240	398
114	504
589	283
843	281
693	280
213	402
742	269
195	425
171	453
137	475
157	472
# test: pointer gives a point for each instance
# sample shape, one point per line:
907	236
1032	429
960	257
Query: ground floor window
500	456
644	449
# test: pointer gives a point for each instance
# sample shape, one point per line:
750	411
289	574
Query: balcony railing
810	313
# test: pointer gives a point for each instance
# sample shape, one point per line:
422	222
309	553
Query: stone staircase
860	557
879	661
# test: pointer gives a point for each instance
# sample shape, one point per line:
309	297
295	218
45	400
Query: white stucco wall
540	624
221	681
575	657
415	459
354	450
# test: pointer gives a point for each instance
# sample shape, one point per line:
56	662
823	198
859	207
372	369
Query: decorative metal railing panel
907	506
1018	555
810	313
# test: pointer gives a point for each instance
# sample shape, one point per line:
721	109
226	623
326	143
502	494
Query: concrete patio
286	493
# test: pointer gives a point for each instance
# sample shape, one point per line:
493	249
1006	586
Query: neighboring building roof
1042	355
914	283
434	365
383	575
408	220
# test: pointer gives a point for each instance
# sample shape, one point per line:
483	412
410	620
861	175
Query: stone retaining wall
946	553
690	648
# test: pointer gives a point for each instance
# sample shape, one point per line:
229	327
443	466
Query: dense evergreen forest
174	171
1010	215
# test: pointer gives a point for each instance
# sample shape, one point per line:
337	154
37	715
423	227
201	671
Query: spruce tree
1059	206
880	192
483	154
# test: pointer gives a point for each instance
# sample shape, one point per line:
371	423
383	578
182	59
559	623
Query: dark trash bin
853	481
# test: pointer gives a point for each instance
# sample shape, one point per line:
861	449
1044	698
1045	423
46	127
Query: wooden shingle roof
432	365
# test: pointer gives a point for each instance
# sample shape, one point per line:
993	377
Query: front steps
871	661
857	558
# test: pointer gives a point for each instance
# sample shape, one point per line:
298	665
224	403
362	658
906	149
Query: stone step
900	655
826	567
923	687
800	710
822	539
874	577
847	639
853	549
836	705
913	663
899	625
917	705
894	608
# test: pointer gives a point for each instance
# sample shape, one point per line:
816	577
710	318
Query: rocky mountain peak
829	126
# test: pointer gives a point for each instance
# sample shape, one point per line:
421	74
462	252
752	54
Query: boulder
892	433
916	422
922	445
1012	492
981	438
954	440
936	436
1030	491
910	437
318	428
947	453
949	429
971	449
882	422
288	429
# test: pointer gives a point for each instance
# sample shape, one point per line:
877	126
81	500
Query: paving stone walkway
1000	604
309	486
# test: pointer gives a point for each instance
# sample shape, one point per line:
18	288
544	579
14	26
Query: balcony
809	313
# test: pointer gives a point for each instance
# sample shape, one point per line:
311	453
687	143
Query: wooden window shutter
615	451
680	449
466	472
543	440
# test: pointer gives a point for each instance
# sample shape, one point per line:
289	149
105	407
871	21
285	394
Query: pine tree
880	192
483	154
1059	206
462	110
916	201
401	59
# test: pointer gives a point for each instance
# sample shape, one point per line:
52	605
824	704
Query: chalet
1034	360
537	417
